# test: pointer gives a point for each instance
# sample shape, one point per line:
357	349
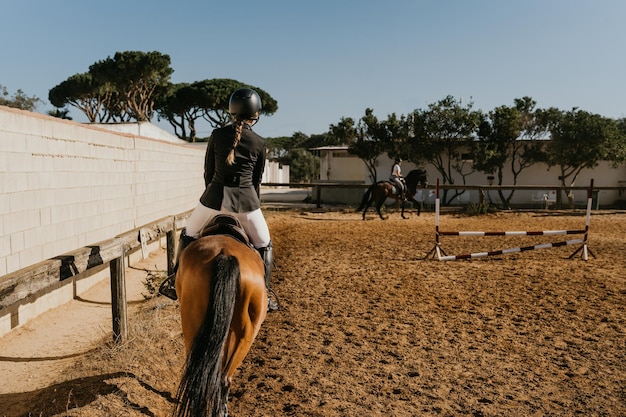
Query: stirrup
272	301
272	305
167	288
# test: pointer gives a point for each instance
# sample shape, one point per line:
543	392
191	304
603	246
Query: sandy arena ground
368	327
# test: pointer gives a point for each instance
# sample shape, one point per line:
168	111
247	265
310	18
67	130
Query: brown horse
223	302
378	192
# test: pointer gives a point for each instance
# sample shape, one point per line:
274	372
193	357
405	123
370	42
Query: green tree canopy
61	113
581	140
300	140
180	106
295	151
121	88
619	153
19	100
395	131
510	138
303	165
86	94
183	104
137	77
369	137
366	138
441	135
277	147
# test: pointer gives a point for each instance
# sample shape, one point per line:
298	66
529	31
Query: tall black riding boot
266	255
168	287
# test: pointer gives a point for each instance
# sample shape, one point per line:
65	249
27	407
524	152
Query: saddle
395	187
228	225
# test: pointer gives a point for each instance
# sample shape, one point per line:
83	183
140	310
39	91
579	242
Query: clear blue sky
325	59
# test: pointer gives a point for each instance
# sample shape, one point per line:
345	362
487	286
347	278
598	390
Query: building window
341	155
467	157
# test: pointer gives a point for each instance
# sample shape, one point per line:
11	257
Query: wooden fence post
118	298
170	238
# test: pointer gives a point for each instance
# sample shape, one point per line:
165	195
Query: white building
337	165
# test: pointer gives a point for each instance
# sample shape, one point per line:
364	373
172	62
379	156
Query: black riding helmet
245	103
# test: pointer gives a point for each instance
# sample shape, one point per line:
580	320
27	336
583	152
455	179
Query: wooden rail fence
28	284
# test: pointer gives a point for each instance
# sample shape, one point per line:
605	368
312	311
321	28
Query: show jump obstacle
584	249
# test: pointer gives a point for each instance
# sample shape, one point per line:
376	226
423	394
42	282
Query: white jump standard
442	256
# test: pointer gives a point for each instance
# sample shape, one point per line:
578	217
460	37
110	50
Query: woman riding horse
378	192
233	170
397	178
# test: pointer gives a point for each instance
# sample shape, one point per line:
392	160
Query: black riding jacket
235	187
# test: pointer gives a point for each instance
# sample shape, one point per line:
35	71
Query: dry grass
127	378
149	361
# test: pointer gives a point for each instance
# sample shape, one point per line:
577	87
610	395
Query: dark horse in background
378	192
223	302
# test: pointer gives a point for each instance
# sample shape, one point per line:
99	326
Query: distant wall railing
317	188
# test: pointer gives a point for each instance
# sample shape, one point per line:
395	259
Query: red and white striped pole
441	255
436	249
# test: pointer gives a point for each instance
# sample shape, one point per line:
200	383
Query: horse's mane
417	175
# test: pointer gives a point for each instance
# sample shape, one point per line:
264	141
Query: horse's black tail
366	197
201	385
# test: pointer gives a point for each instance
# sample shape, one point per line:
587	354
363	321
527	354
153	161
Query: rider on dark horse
397	179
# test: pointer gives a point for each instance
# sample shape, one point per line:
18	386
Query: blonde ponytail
230	159
238	125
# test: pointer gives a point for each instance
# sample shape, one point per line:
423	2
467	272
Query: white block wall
64	185
275	173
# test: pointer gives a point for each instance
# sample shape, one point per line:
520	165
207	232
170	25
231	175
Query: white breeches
253	222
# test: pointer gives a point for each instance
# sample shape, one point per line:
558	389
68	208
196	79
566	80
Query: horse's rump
223	302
